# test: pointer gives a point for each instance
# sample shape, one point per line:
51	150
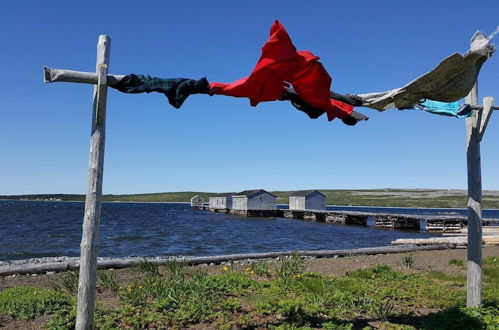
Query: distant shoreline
330	205
389	198
70	201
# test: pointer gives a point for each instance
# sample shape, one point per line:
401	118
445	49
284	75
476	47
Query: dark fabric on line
353	100
314	113
177	90
464	110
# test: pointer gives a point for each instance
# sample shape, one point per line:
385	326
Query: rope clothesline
451	80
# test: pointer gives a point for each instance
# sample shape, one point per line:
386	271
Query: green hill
372	197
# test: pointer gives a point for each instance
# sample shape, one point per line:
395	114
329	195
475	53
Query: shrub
68	283
408	260
383	309
108	280
261	268
148	268
176	270
288	268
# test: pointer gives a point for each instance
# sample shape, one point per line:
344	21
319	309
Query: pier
427	223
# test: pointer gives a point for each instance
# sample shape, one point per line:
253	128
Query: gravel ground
437	260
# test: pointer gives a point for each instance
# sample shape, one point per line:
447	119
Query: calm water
39	229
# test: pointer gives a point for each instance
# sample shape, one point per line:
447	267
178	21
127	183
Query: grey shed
221	202
258	199
196	201
307	200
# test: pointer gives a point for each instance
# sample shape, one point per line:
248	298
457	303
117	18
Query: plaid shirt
177	90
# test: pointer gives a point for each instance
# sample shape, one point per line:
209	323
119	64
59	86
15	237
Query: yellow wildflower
225	268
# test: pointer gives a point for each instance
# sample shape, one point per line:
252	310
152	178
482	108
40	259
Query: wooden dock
428	223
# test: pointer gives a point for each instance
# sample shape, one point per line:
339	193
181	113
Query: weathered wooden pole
475	273
475	128
89	240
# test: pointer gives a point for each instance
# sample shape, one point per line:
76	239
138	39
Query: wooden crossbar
59	75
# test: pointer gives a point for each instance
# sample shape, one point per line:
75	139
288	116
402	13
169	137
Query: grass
456	262
108	280
271	296
28	302
148	268
68	283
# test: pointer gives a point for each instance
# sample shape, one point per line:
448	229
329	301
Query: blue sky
221	143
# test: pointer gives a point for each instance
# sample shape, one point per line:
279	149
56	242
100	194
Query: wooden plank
429	241
475	272
485	116
58	75
90	235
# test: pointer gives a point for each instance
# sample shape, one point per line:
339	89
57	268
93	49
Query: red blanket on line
279	64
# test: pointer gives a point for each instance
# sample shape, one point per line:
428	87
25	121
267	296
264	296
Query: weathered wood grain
90	235
58	75
485	115
475	272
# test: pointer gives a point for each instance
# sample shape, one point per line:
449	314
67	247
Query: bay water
30	229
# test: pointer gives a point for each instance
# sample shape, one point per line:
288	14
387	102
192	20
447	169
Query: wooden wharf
427	223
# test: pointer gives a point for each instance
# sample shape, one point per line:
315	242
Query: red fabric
281	63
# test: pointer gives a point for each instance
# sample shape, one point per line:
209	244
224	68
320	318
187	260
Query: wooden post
475	273
475	129
89	240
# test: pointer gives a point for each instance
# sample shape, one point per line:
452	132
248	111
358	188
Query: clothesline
285	74
480	107
59	75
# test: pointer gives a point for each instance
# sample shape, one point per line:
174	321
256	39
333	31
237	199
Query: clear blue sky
221	143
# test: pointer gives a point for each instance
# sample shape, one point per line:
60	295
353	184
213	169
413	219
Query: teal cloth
442	108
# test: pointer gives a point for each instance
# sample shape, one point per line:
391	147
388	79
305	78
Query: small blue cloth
453	109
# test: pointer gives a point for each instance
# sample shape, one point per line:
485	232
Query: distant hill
371	197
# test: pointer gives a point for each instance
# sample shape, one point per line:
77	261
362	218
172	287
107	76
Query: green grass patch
459	279
28	302
277	296
457	262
